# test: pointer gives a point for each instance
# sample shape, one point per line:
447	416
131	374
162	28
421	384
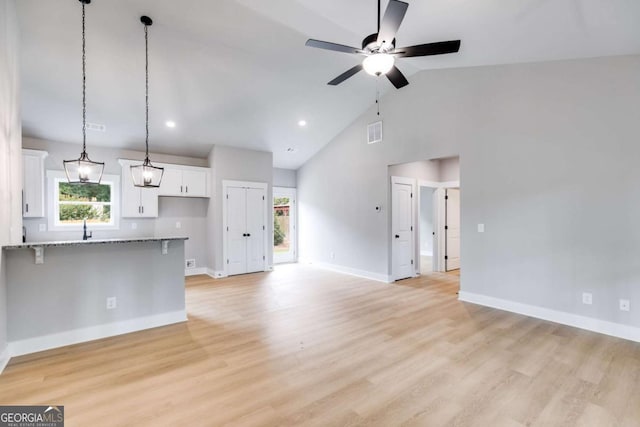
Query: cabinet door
148	202
171	184
33	187
130	195
195	183
255	229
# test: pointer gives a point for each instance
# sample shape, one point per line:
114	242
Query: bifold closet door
246	231
255	229
236	233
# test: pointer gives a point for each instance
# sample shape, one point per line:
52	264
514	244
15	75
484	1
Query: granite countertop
30	245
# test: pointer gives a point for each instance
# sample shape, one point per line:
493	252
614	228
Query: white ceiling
236	72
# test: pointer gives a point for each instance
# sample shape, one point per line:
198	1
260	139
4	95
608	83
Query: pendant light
146	175
83	170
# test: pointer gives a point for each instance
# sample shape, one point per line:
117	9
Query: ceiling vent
374	132
96	127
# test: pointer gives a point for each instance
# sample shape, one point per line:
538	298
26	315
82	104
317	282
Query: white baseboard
76	336
216	274
588	323
195	271
4	358
353	271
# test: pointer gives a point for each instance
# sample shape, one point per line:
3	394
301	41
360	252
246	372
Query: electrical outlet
480	228
42	227
134	225
190	263
333	255
587	298
112	303
625	305
178	224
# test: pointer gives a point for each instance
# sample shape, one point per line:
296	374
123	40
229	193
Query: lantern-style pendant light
146	175
83	170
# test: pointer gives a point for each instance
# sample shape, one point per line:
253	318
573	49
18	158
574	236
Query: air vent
96	127
374	132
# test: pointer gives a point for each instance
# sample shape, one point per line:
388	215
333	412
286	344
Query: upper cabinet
177	181
33	186
137	202
185	181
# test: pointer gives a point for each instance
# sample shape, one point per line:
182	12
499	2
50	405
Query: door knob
397	236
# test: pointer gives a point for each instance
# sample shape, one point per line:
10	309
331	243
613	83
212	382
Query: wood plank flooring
306	347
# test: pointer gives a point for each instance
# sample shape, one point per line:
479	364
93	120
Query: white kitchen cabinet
184	181
137	202
33	186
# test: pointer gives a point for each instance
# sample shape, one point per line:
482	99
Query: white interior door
256	229
452	230
402	229
236	230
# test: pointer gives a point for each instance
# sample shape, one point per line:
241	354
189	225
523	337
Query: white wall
191	213
285	178
10	156
235	164
548	152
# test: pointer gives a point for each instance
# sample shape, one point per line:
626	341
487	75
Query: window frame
53	207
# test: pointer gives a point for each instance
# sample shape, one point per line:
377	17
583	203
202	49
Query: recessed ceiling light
302	123
170	123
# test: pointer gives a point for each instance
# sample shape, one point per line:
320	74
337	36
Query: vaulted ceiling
236	72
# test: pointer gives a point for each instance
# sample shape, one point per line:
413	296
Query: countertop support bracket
39	254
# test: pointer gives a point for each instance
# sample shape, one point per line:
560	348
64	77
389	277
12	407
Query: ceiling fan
380	51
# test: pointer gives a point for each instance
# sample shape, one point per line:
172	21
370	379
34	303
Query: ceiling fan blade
397	78
344	76
438	48
332	46
391	21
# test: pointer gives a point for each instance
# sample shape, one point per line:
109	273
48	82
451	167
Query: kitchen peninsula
67	292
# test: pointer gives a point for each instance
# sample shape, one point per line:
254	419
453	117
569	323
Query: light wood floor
301	346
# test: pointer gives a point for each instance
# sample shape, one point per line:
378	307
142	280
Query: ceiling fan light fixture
378	64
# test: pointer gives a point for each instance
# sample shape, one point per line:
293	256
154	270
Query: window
71	204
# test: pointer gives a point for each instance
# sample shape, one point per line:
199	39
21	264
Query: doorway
402	227
452	229
284	225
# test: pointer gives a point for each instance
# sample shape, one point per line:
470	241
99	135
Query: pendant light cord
84	88
146	58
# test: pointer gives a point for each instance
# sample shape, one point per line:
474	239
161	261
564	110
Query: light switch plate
587	298
42	227
480	228
134	225
178	224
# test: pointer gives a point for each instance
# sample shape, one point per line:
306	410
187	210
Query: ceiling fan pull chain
378	94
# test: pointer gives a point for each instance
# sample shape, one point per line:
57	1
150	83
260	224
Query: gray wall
426	170
285	178
235	164
548	152
191	213
426	219
69	291
10	157
449	169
